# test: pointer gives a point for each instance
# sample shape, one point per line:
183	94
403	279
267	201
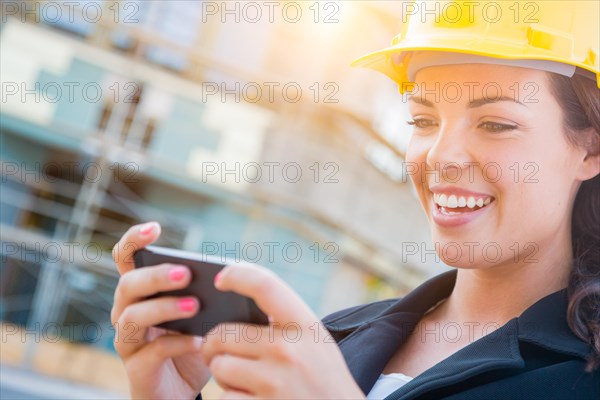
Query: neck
497	294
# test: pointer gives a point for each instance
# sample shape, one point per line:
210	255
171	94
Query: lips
459	207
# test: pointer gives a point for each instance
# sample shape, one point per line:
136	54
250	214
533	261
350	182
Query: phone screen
215	306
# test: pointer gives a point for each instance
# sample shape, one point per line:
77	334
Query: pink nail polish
186	304
147	228
177	274
217	277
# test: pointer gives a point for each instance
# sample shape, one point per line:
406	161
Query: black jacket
533	356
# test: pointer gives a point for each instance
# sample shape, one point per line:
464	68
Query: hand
160	364
292	358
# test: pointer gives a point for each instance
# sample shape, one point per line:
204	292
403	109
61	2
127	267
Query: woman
505	157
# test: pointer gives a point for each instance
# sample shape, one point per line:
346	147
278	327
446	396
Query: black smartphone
215	306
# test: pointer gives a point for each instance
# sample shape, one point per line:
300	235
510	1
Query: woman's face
491	136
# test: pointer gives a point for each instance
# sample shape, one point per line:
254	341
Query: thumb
271	294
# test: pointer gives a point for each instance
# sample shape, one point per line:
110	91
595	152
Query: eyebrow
472	104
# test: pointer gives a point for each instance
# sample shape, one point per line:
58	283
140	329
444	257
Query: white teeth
443	200
444	210
452	202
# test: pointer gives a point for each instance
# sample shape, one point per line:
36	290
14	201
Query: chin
464	252
462	264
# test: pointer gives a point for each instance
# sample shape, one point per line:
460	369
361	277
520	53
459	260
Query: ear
590	166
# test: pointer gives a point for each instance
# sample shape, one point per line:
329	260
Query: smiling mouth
454	205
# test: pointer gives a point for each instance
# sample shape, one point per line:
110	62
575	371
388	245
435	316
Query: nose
451	152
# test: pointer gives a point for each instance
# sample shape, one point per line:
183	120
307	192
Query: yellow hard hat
550	32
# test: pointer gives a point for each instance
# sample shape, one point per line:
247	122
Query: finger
240	374
137	284
153	355
271	294
231	394
242	340
136	237
138	317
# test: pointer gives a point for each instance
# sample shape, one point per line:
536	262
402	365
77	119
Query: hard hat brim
384	60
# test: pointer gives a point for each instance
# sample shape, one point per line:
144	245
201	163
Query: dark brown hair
579	98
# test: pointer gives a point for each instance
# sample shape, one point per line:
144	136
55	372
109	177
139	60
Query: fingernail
177	274
186	304
197	342
217	277
147	228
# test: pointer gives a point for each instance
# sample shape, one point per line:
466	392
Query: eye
496	127
421	123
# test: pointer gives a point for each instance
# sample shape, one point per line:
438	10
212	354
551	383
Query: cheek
546	189
533	189
416	155
414	151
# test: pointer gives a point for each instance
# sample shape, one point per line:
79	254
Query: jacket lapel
368	349
545	324
499	349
